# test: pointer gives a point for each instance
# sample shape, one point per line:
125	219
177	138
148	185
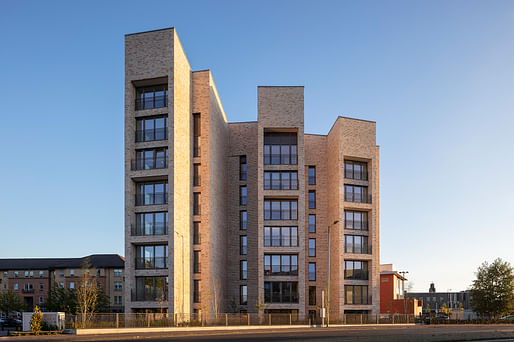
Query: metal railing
152	263
151	134
275	159
269	272
155	101
362	250
27	290
152	199
149	164
155	229
357	198
357	275
150	295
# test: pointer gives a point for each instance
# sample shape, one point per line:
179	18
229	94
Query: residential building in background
392	293
31	279
458	301
235	217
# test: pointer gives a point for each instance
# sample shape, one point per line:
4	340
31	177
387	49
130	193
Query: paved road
345	334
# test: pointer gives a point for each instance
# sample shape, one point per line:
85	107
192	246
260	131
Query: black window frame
197	133
243	270
270	242
291	183
312	227
282	141
243	298
293	213
284	295
243	245
312	200
285	269
312	273
350	222
243	168
143	102
350	195
140	228
197	266
311	249
155	162
311	178
312	295
351	173
243	195
196	291
140	193
142	133
196	233
365	246
243	220
350	272
364	298
197	203
197	174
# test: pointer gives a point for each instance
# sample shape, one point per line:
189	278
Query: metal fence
149	320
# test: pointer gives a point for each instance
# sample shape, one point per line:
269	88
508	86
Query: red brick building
392	293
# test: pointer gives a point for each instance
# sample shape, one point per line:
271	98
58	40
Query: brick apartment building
229	217
32	278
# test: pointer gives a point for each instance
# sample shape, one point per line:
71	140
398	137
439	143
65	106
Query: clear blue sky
436	76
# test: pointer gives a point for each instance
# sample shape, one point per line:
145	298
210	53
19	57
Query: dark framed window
151	193
243	266
356	295
356	269
152	129
355	170
196	233
280	264
151	288
312	247
197	132
243	219
196	175
312	223
356	244
243	244
312	175
242	168
280	236
356	220
280	292
312	199
154	223
312	271
312	295
152	97
280	148
152	257
196	291
356	193
280	180
156	158
196	203
196	262
243	291
280	210
242	195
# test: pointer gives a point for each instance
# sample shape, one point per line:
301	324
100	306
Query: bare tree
87	294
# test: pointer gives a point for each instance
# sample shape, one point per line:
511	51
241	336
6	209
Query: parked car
507	318
11	323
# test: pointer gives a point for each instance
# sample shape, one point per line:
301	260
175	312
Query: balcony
356	275
363	301
155	198
153	134
149	295
155	229
357	198
151	101
151	263
27	290
149	164
358	250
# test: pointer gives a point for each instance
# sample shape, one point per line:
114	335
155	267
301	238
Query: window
152	257
281	292
118	272
40	274
117	300
40	300
153	223
61	285
280	210
355	170
312	223
280	148
243	292
280	180
152	129
243	245
280	264
312	271
196	233
356	244
152	193
196	203
312	247
242	168
280	236
72	272
196	262
61	273
243	265
196	291
156	158
312	199
151	288
243	219
355	269
356	220
242	195
26	274
98	272
16	286
196	135
72	284
152	97
355	193
196	174
356	294
312	175
312	295
41	286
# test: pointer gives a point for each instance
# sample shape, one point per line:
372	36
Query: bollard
269	318
226	320
248	318
290	319
361	319
117	320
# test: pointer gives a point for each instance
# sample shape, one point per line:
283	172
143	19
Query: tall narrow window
312	271
243	294
196	134
196	262
196	203
243	243
312	175
242	167
196	233
242	195
356	220
312	247
312	295
243	270
196	174
312	223
312	199
196	291
243	219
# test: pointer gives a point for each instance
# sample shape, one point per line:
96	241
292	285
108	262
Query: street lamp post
403	273
183	274
328	289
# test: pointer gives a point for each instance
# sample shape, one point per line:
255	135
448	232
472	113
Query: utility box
55	319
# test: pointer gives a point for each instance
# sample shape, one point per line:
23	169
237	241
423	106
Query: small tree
492	292
87	294
9	302
36	321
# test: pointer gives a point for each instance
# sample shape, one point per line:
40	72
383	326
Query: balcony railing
365	301
149	164
152	199
357	198
269	272
151	295
156	101
152	263
151	134
356	275
284	242
362	250
27	290
155	229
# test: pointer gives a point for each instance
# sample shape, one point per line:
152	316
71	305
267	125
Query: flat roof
163	29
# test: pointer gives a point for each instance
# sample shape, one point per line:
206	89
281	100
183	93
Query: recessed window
196	233
280	264
151	193
118	286
243	245
355	170
280	236
152	129
280	210
151	257
243	291
312	199
355	220
243	219
154	223
118	272
196	174
242	195
156	158
281	292
356	244
312	175
196	262
312	223
151	288
356	269
196	203
280	148
196	135
312	247
242	168
312	271
196	291
280	180
356	295
152	97
72	284
356	193
312	295
243	266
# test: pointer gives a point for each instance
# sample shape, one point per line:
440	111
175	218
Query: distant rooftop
96	261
